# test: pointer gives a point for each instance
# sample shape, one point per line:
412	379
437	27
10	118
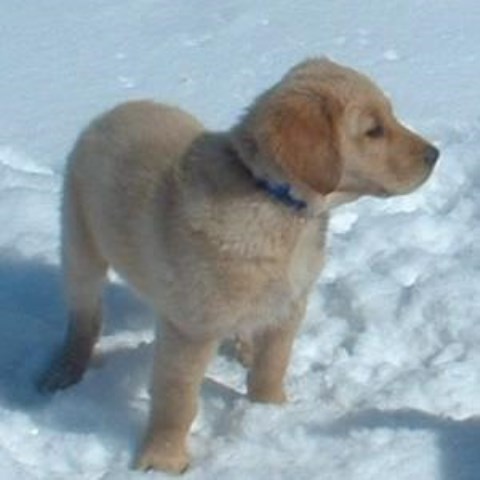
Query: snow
384	380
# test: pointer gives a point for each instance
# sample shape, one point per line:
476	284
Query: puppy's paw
63	373
166	459
261	393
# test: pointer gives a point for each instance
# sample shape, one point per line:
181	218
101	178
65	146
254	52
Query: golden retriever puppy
222	233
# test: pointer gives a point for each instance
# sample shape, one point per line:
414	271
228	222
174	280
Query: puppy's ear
299	133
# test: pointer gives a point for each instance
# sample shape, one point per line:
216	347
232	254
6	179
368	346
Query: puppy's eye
376	132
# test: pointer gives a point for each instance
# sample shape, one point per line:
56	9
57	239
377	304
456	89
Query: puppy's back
116	170
148	134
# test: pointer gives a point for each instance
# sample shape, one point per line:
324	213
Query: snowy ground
385	376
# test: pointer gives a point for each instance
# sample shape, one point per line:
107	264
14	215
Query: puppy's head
329	129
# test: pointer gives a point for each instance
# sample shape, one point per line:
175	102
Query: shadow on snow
458	441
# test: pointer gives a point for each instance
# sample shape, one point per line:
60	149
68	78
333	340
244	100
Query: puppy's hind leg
84	273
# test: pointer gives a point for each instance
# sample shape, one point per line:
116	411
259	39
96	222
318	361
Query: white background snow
384	381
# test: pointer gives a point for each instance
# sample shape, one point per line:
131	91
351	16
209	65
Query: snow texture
384	379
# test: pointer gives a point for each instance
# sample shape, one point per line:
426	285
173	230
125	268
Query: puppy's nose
431	155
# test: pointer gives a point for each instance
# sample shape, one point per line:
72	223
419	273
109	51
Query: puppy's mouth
368	187
424	167
402	183
405	188
361	186
378	190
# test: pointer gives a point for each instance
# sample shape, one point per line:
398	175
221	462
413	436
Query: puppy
222	233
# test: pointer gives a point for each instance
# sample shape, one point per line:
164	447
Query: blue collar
279	191
282	192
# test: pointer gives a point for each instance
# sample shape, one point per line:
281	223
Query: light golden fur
176	211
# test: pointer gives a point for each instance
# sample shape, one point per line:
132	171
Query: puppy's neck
268	177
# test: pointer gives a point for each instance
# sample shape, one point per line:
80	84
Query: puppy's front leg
271	355
180	364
